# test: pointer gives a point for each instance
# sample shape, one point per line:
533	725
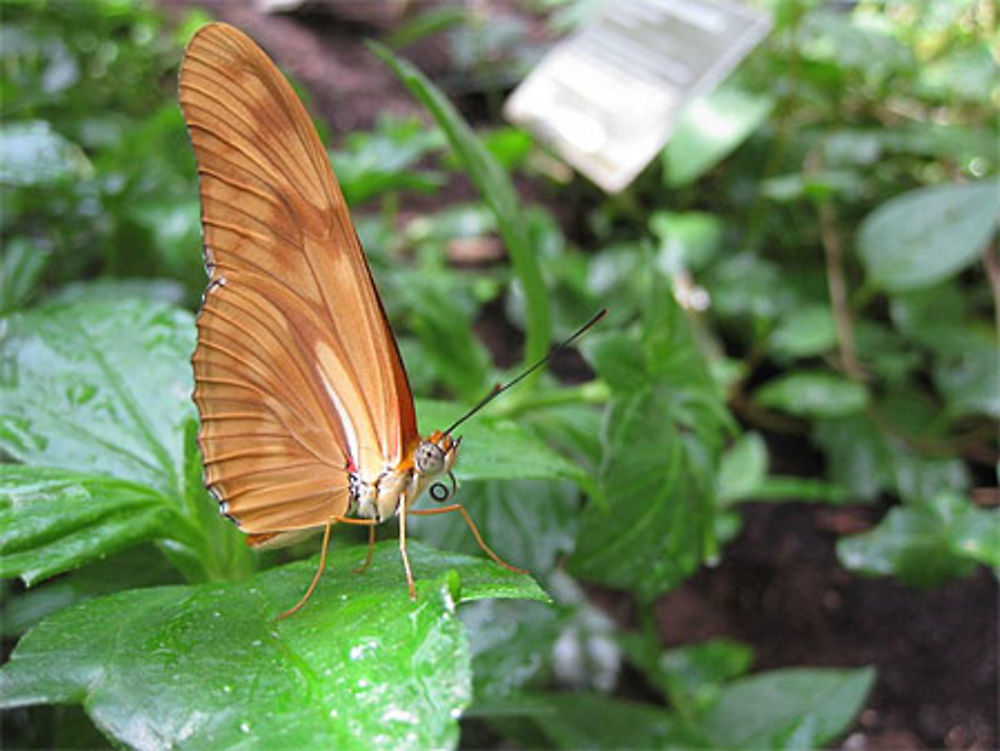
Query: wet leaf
208	666
97	401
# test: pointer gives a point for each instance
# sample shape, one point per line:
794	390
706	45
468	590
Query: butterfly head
435	456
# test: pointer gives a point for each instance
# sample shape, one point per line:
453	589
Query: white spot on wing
345	419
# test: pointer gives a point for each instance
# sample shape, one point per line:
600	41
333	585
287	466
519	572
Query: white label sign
607	97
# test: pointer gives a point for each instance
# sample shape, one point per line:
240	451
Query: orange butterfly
307	417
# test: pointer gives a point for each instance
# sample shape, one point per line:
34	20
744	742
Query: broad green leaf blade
691	677
528	523
710	128
864	460
926	235
793	708
207	666
662	437
53	520
653	531
926	544
806	332
742	469
498	192
102	388
497	449
596	721
816	394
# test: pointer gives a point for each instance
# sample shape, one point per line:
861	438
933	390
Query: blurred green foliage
822	269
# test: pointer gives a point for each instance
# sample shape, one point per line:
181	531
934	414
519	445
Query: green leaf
512	644
927	544
208	666
526	522
381	161
806	332
815	394
495	448
139	566
743	469
688	240
866	461
694	675
111	290
52	520
101	391
967	371
691	677
497	190
74	399
32	154
662	435
926	235
710	128
652	532
23	264
787	709
595	721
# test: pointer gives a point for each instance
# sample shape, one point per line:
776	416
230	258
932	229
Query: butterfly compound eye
429	458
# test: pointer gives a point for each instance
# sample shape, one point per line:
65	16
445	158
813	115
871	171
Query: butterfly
307	417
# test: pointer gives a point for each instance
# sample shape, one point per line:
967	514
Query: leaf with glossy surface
208	666
52	521
926	235
526	522
926	544
787	709
75	398
100	390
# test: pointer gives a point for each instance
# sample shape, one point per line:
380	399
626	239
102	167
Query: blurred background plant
804	309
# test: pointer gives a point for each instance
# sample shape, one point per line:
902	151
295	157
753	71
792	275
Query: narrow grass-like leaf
497	190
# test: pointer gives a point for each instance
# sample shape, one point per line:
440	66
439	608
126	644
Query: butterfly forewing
298	378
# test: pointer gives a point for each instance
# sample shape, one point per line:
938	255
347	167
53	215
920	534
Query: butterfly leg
319	573
405	555
368	557
472	528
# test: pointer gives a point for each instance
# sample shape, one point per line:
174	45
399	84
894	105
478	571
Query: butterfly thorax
396	488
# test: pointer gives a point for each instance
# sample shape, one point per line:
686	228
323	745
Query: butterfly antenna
499	389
